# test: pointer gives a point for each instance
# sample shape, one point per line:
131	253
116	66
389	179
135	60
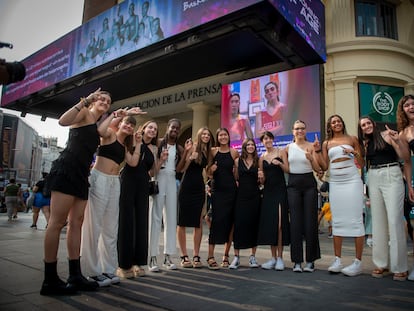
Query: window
375	18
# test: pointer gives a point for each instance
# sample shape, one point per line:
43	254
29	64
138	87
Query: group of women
279	214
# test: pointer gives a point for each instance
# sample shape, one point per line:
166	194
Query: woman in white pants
386	192
164	206
99	256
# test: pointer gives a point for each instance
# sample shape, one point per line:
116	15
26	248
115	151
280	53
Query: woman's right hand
138	136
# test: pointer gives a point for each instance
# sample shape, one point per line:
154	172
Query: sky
31	25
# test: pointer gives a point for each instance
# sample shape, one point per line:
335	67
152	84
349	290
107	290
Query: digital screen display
272	103
135	24
125	28
308	18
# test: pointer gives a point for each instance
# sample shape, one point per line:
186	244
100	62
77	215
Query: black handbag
153	187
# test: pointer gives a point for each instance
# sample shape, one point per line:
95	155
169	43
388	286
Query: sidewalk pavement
21	272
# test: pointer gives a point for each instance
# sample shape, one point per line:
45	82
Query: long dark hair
201	147
222	129
376	137
129	140
244	153
329	133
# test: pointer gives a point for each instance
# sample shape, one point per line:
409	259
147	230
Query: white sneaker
411	276
101	280
168	263
253	262
310	267
235	263
153	266
297	267
280	265
270	264
336	266
114	279
353	269
369	242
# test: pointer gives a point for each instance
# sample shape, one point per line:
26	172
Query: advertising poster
272	103
379	102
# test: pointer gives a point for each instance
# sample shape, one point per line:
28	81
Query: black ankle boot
76	278
52	284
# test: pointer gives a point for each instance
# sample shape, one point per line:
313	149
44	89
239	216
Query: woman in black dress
134	205
223	197
68	182
274	217
192	194
247	208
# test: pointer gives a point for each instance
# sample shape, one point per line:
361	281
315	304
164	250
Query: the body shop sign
379	101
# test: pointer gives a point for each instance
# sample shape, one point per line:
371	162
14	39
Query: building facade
369	43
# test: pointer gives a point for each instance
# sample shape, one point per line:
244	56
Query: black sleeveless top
411	145
378	157
114	151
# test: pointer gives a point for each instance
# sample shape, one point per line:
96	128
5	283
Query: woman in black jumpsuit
134	206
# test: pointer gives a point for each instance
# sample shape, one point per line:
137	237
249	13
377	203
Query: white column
200	116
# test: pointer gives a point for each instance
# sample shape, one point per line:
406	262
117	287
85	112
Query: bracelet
84	101
76	107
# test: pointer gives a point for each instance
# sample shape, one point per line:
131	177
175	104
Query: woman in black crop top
386	191
68	181
405	124
102	211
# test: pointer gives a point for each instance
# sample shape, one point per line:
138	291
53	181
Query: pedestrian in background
41	201
11	194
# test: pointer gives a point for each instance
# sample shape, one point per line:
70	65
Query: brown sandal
401	276
197	262
380	272
185	262
212	264
225	263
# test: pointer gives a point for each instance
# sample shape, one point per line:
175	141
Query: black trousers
303	208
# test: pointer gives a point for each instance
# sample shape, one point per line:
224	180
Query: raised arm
79	111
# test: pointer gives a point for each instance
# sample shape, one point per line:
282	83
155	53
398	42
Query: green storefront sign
379	101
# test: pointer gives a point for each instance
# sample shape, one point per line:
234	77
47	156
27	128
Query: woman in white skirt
339	152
